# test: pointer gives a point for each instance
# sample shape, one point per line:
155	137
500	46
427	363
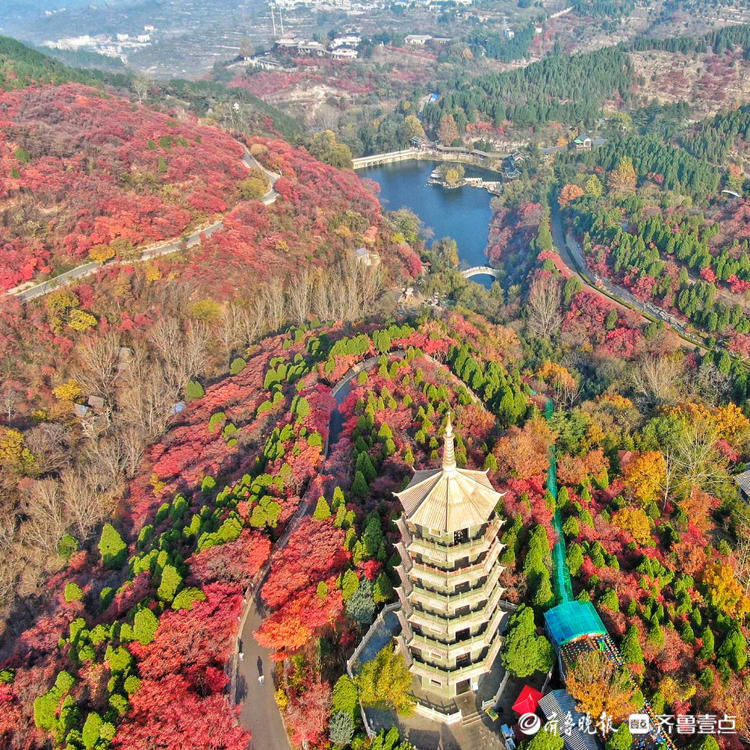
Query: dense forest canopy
604	8
563	88
718	41
712	140
680	170
498	45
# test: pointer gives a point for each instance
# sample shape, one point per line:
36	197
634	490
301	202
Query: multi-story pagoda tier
449	572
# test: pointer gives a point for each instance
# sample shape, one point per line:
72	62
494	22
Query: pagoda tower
449	570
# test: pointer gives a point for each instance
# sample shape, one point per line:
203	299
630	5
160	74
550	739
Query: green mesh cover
571	620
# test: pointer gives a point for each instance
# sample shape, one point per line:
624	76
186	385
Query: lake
462	213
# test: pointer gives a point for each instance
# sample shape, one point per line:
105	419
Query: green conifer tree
631	647
707	637
112	548
360	487
322	510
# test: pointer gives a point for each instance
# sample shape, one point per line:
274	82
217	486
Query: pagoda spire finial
449	453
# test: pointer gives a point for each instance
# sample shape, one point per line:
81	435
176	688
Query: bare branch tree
133	446
46	512
231	328
698	462
349	270
165	338
141	88
742	555
195	352
670	470
10	397
182	353
103	459
250	323
10	563
712	384
273	304
371	286
49	442
543	306
658	379
299	295
97	365
321	305
152	389
83	506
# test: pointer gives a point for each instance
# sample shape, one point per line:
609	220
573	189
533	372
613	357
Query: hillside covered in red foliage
82	167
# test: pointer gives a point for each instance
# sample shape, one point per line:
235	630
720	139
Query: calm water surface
462	214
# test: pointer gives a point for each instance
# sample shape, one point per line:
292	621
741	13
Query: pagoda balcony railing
488	593
420	667
451	622
491	528
419	593
452	651
456	568
424	571
455	551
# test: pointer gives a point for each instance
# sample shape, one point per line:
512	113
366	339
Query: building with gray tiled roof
557	706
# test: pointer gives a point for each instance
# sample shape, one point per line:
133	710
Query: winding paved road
259	712
26	293
45	287
88	269
571	252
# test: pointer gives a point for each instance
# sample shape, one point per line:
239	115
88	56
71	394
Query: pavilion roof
448	499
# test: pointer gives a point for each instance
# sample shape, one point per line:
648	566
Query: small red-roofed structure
527	701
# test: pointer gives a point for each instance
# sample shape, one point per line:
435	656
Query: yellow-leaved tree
59	304
732	424
413	127
635	522
599	687
15	457
386	681
101	253
80	320
561	381
675	690
724	590
645	474
622	178
68	391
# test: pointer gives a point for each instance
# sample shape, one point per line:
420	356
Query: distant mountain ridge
21	65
